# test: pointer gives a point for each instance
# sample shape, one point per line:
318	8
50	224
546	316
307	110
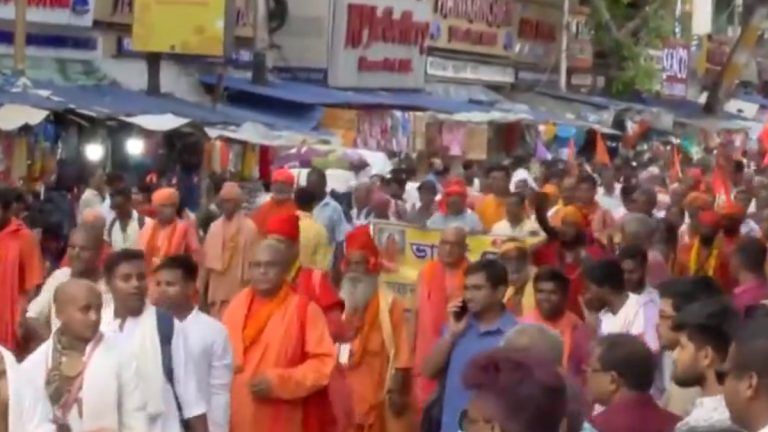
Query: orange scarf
694	263
229	243
256	320
436	282
565	326
174	243
370	320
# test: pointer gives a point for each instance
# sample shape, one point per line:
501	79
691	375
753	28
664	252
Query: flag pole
20	37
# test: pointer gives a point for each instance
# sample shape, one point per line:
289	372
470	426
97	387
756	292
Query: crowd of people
620	300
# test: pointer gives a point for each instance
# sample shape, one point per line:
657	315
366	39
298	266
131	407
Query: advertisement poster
158	27
674	72
405	249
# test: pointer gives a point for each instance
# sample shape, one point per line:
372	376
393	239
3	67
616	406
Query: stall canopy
112	101
293	93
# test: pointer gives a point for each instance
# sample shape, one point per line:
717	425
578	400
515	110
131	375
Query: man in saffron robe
376	357
567	248
703	255
227	250
167	234
21	268
551	291
440	282
492	207
280	203
281	347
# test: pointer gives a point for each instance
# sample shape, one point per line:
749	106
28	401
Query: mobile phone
459	314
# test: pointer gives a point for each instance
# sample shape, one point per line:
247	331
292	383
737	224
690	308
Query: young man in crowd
124	227
518	223
492	208
550	287
207	339
675	295
705	330
745	377
155	340
748	260
109	395
620	374
477	322
315	250
634	263
619	311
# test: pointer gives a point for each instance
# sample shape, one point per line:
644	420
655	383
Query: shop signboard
194	27
379	44
485	27
674	68
471	71
538	32
61	12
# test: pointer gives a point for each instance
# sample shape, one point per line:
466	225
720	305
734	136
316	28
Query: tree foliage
624	32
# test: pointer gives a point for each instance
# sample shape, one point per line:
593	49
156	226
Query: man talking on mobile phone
476	323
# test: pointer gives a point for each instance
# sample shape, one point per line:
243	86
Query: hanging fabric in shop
6	155
250	162
476	142
453	136
342	122
418	140
236	152
19	160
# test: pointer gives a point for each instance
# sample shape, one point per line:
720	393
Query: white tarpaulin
14	116
157	122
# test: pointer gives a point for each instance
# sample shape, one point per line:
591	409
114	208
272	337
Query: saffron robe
380	347
227	250
294	352
721	271
21	271
491	209
436	288
269	210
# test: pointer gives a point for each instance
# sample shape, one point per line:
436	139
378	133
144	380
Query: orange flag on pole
601	151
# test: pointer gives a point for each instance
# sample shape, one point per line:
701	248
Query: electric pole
20	37
564	33
259	67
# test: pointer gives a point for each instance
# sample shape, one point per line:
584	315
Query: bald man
92	220
84	251
108	397
441	282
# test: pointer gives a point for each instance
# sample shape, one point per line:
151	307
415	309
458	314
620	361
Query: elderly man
376	356
440	283
281	201
93	220
454	211
228	249
85	263
108	396
639	229
167	234
281	346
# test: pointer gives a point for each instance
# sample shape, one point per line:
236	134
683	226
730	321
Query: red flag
601	151
721	186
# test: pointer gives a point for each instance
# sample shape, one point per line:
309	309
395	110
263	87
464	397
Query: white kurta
42	308
27	410
211	350
136	335
111	395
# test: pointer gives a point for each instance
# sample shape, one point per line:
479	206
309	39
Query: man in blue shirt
476	324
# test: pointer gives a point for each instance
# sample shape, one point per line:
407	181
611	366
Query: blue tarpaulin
293	93
113	101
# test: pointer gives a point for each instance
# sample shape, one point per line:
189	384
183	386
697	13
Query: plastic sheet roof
299	93
112	101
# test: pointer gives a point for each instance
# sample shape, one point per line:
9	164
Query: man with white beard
374	351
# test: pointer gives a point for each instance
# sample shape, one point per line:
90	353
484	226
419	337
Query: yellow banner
194	27
408	248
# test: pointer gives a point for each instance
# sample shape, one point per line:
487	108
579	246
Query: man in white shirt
93	196
84	253
175	284
155	341
619	311
518	224
745	378
634	261
27	410
705	330
124	228
108	397
608	195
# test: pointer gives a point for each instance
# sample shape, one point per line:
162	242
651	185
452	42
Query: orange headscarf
165	196
283	175
359	240
285	226
573	215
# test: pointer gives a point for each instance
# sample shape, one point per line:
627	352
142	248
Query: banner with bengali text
405	249
192	27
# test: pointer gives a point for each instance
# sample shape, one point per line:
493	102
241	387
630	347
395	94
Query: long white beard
357	289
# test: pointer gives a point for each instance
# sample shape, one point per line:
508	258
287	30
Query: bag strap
165	330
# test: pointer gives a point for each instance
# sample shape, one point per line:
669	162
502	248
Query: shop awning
14	116
295	93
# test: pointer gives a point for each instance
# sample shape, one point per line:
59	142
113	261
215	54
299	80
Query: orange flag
601	151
